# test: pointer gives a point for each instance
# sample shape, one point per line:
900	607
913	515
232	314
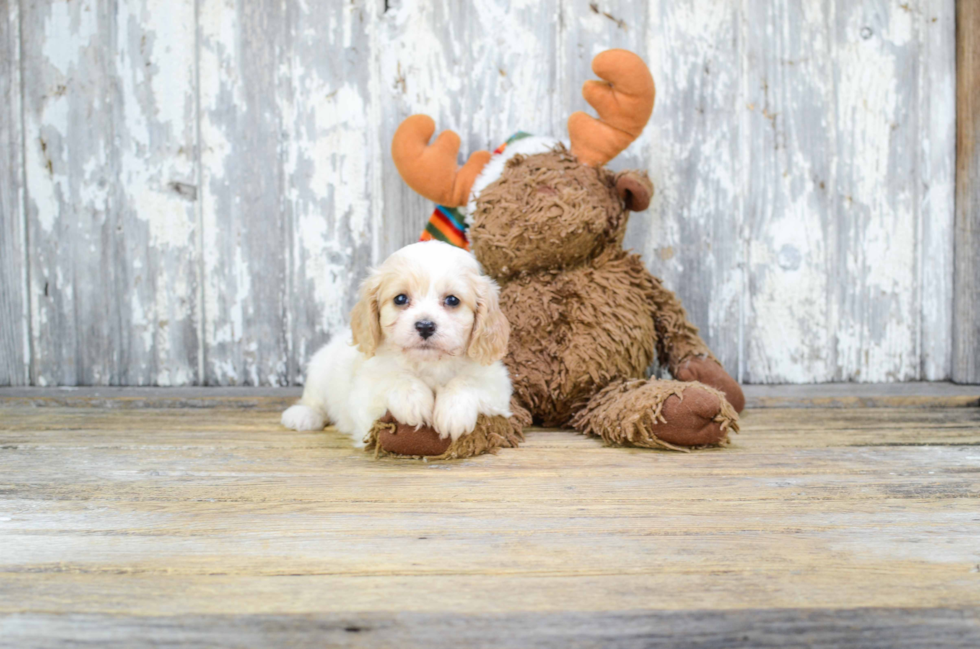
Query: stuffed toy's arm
677	338
681	350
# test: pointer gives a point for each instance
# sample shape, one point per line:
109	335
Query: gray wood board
966	301
869	628
14	337
207	183
827	395
110	168
245	232
830	527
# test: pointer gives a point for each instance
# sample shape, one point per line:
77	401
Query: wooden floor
209	525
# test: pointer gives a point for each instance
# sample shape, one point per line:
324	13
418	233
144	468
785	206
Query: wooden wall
191	191
966	278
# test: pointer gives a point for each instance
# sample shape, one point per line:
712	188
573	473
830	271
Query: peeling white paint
803	172
41	186
66	19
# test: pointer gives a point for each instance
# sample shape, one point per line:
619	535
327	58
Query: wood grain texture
827	395
110	188
206	183
75	312
934	24
788	153
966	301
156	193
14	336
484	70
876	131
854	527
330	162
693	239
244	225
880	628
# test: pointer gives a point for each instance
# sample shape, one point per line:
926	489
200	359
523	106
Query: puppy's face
429	300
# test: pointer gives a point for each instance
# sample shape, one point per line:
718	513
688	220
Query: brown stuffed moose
547	223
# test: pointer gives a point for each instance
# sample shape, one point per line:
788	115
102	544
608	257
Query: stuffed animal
547	222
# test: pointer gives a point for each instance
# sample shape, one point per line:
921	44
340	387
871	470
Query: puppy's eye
401	299
451	301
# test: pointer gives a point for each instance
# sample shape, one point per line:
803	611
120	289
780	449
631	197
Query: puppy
425	344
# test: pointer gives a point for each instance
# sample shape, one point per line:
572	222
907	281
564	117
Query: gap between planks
824	395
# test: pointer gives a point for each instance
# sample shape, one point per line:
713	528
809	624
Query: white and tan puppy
425	344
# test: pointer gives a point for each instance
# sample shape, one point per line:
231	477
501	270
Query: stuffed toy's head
536	204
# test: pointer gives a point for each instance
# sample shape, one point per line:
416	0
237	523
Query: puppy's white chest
436	375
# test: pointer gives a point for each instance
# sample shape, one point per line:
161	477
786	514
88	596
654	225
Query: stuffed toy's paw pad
692	418
658	414
389	437
711	373
403	439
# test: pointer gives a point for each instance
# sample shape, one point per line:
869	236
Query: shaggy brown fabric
574	332
388	437
584	313
546	211
678	339
586	316
658	414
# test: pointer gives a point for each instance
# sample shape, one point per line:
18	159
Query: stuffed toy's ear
491	331
635	188
365	317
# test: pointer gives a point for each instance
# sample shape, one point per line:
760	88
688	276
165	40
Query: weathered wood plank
758	105
14	310
203	530
966	297
244	227
264	398
75	316
155	193
110	183
876	628
330	158
692	236
873	57
935	30
788	158
863	395
828	395
485	70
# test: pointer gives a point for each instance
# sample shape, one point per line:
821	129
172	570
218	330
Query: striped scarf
448	224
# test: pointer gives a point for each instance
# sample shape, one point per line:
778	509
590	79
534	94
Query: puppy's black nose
425	328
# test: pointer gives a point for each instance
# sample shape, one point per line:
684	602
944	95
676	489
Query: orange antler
624	102
431	170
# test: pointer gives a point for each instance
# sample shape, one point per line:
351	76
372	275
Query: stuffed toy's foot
388	437
711	373
674	415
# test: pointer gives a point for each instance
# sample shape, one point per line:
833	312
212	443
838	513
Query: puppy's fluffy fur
386	363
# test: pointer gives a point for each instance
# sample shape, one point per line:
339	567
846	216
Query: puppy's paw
302	418
454	416
412	404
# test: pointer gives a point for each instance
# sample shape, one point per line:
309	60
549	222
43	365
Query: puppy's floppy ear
365	317
491	331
